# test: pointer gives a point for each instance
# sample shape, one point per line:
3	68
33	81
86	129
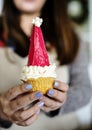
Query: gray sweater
80	90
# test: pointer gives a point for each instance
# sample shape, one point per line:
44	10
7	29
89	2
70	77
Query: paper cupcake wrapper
41	84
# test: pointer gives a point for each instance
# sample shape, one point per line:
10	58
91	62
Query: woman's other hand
55	97
13	102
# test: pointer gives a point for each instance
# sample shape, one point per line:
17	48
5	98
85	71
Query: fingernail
38	94
38	111
56	84
51	92
28	86
40	104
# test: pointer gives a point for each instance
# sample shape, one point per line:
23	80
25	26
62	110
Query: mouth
29	0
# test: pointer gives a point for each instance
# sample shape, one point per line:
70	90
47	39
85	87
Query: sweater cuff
5	124
53	113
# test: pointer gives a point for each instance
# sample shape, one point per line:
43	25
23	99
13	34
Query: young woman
63	47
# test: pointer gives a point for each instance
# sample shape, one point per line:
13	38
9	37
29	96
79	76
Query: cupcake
38	72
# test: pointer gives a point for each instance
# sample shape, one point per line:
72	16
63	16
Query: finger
48	109
50	103
29	121
15	91
26	114
23	101
57	95
61	86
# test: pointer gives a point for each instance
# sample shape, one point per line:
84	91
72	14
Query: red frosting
37	52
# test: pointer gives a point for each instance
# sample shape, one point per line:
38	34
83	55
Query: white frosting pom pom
37	21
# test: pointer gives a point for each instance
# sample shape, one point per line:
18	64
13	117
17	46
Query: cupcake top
38	61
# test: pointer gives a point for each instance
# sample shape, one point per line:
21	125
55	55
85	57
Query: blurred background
80	11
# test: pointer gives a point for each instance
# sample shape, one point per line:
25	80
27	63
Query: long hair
57	28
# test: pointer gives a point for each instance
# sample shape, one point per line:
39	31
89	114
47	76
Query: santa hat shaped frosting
37	52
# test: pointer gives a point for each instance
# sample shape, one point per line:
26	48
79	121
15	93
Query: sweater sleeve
79	93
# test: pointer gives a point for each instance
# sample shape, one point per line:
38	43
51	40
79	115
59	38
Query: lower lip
29	0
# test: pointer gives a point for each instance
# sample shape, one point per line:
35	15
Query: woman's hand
13	102
55	97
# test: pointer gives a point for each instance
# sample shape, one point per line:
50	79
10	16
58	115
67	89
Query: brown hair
57	28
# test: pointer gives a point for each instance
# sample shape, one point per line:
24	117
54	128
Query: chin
29	9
